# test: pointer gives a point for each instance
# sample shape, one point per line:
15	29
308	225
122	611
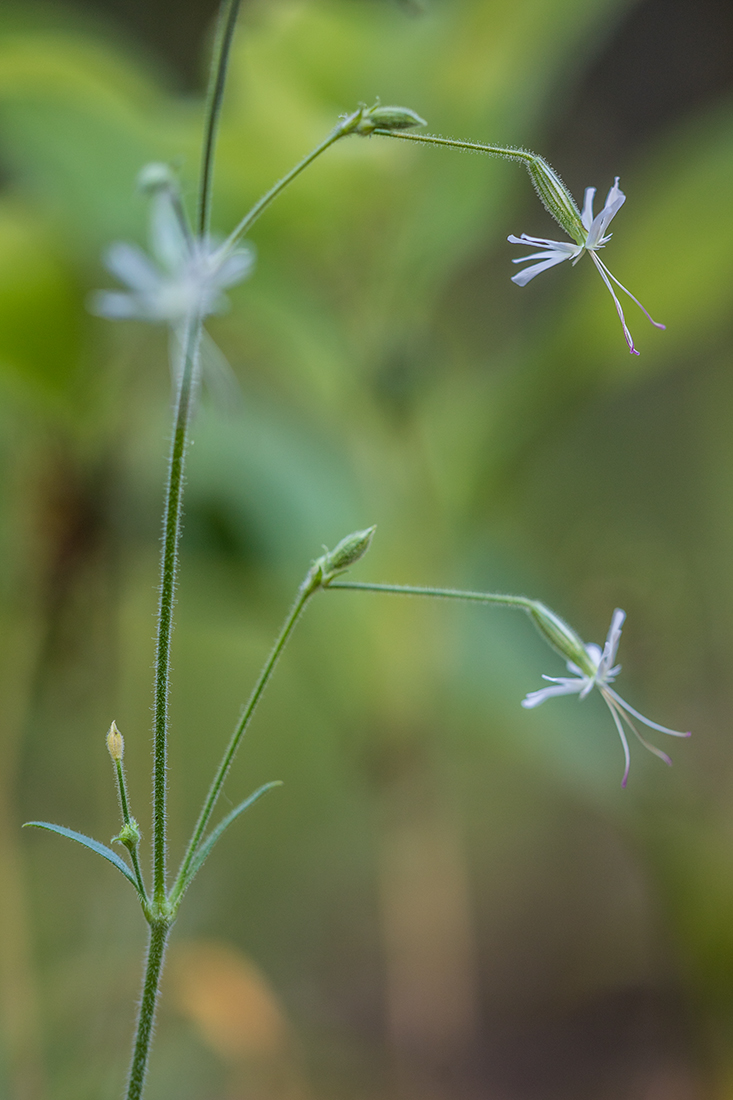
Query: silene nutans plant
181	281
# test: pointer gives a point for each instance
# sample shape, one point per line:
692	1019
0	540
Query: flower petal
552	258
612	640
235	267
587	216
556	246
132	267
116	306
614	201
167	237
567	687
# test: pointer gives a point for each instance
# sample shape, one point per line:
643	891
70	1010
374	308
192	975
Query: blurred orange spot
227	998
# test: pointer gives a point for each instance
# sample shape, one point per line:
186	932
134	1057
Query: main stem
168	575
156	952
305	592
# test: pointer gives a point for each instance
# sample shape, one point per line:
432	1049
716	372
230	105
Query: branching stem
345	127
306	590
217	79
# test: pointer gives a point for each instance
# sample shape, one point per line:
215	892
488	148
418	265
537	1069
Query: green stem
124	806
168	576
552	192
306	590
217	79
509	152
344	128
146	1017
443	593
553	629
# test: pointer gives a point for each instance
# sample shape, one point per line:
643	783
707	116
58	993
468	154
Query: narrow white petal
167	236
587	216
612	640
132	267
523	277
614	201
570	687
235	267
556	246
116	306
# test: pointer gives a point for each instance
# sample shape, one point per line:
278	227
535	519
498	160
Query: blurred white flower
603	673
185	278
596	236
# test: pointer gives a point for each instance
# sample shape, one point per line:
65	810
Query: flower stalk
588	233
591	666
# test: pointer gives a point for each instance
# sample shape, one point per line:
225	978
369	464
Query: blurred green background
450	897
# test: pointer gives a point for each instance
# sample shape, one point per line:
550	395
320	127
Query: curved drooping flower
186	276
600	672
596	236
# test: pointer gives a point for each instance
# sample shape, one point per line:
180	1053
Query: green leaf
208	843
100	849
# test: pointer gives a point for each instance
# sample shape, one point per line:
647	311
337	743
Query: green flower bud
556	198
348	551
129	834
388	118
334	562
156	177
561	637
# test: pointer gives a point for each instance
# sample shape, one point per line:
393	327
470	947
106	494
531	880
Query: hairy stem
168	576
146	1017
551	191
124	806
441	593
344	128
309	586
217	79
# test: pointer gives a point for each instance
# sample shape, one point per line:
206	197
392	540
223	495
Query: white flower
601	673
596	236
186	277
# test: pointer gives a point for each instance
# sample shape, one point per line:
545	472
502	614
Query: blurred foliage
445	880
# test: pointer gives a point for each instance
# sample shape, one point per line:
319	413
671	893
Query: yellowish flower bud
115	743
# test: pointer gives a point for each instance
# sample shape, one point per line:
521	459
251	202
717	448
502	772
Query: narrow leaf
94	845
208	842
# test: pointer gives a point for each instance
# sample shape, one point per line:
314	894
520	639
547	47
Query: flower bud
556	198
561	637
156	177
115	743
388	118
348	551
336	561
129	834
